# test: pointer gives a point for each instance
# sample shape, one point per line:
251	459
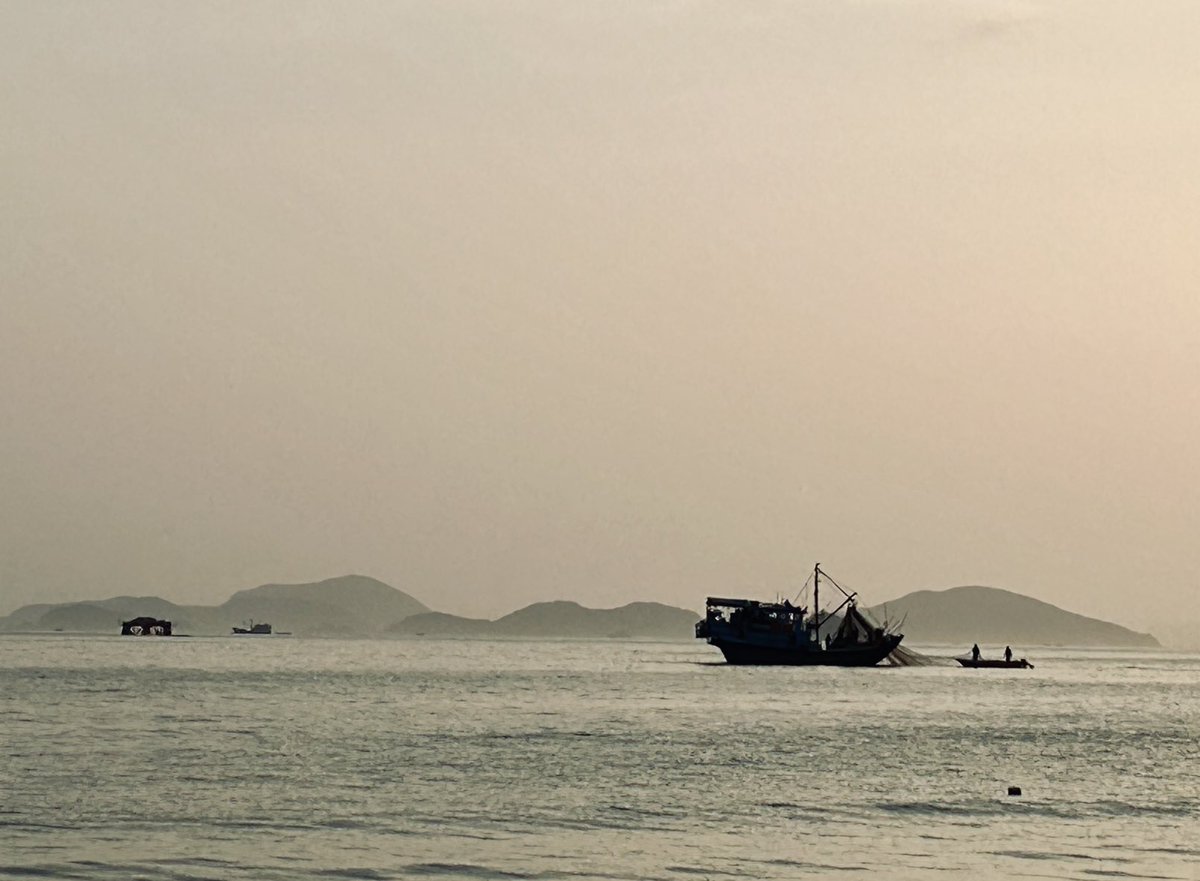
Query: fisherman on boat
976	661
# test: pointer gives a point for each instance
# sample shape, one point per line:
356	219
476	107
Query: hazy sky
504	301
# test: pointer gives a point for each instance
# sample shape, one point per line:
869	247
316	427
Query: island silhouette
361	606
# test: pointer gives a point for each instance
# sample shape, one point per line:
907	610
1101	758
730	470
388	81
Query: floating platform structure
146	627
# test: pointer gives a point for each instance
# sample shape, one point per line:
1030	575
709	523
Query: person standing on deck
1008	654
975	652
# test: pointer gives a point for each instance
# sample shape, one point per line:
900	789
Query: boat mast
817	603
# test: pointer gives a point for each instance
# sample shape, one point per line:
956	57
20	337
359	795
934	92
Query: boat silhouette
753	632
257	630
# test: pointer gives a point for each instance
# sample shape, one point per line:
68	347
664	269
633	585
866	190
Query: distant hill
563	618
80	617
350	605
441	624
355	605
991	616
105	616
26	617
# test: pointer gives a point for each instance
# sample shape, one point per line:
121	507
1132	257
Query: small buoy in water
1014	790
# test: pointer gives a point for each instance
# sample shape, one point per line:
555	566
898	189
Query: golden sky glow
501	302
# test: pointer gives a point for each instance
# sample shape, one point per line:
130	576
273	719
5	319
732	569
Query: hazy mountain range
561	618
355	605
989	615
352	605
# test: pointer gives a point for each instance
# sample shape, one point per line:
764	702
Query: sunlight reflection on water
295	758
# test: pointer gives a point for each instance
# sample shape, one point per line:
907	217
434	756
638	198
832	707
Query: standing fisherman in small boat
1008	654
975	652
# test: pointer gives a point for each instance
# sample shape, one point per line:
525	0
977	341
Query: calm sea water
319	759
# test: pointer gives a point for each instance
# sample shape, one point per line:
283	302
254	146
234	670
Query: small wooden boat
1003	665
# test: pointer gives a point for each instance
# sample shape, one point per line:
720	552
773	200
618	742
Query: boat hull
996	664
803	656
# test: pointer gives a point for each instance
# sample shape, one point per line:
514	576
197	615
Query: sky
505	302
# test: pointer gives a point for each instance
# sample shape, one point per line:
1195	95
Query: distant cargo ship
257	630
253	630
753	632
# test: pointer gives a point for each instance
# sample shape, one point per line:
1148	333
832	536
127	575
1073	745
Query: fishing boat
1021	664
754	632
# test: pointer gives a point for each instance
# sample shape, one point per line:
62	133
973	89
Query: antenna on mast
817	603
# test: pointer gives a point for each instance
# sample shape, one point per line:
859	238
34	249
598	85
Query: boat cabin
751	617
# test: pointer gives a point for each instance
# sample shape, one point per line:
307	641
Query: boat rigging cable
901	656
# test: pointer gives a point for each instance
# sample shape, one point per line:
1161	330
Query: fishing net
904	657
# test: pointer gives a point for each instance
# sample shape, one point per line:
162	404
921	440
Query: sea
289	758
